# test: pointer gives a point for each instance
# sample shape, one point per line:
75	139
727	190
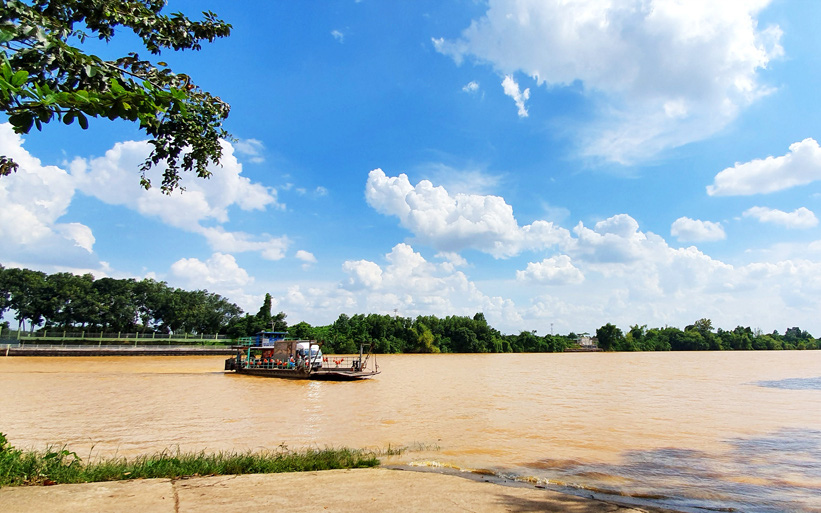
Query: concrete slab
379	490
148	495
372	490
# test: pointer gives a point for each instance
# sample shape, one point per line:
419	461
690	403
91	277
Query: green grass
52	466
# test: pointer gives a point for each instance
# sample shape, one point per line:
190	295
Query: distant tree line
700	336
69	302
425	334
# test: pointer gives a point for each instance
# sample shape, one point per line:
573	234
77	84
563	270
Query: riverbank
112	350
341	491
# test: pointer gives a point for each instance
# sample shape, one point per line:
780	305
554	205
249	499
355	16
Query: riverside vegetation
61	466
67	302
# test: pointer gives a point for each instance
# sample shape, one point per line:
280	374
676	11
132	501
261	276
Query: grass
61	466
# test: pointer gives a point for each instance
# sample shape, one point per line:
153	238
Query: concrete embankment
341	491
109	350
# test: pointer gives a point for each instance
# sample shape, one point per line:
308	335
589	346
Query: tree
43	77
302	330
26	295
5	293
263	317
610	337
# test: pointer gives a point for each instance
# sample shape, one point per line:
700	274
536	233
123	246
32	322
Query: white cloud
363	274
456	222
471	87
306	257
614	240
452	260
468	180
414	286
269	247
112	179
610	272
339	36
797	219
220	273
665	72
694	230
511	89
556	270
800	166
32	202
79	233
252	148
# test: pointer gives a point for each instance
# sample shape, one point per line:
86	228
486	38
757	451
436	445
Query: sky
555	164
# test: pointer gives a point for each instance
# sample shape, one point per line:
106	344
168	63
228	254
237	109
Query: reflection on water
691	430
794	383
769	474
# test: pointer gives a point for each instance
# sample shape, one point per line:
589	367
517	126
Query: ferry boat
269	354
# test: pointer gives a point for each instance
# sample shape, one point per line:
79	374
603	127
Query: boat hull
330	374
321	375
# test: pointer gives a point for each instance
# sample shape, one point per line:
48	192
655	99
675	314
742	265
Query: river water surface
693	431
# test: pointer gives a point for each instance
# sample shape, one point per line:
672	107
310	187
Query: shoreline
380	489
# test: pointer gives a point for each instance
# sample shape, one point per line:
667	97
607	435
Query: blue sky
551	164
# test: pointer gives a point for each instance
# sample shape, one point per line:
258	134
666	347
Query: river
693	431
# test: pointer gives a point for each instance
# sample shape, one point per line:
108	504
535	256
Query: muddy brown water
697	431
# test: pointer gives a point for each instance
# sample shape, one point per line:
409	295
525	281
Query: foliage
62	466
424	334
44	77
699	336
65	300
610	337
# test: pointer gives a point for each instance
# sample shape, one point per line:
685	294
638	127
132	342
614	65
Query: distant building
587	341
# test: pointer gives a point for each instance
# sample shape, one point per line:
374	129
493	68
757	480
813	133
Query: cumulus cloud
613	240
306	257
557	270
800	166
269	247
456	222
414	286
452	260
797	219
694	230
111	179
612	271
219	273
511	89
664	72
33	200
471	87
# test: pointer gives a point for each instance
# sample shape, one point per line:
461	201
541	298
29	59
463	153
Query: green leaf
19	78
69	117
22	121
83	120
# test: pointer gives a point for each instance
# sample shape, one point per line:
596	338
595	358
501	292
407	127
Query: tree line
425	334
69	302
700	336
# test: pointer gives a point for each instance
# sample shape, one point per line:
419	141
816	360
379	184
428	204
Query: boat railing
352	363
329	362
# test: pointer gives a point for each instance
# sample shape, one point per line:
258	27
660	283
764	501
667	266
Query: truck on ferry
271	354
